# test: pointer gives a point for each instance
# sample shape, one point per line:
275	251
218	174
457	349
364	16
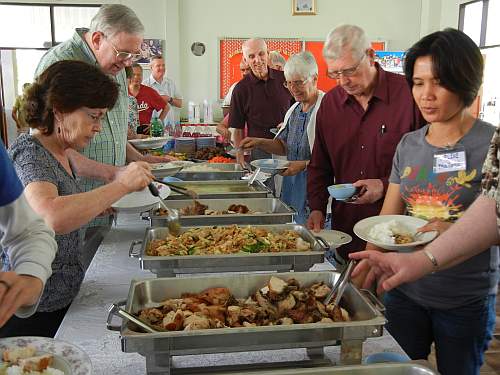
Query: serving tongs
177	189
117	310
339	287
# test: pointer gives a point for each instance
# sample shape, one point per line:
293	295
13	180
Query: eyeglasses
123	56
297	84
349	72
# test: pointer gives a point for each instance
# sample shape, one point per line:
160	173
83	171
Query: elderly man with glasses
295	138
359	125
112	42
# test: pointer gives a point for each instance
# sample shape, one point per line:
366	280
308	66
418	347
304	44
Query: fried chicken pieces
278	303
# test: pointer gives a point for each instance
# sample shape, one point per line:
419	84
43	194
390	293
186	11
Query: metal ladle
173	223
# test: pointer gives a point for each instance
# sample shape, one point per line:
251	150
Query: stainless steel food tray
223	189
158	348
166	266
372	369
227	171
266	211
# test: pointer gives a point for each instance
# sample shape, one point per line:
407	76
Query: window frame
484	21
52	20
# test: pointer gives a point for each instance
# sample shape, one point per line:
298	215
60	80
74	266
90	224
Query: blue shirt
10	185
295	137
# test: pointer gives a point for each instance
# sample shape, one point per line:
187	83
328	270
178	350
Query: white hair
276	58
302	64
244	46
116	18
346	38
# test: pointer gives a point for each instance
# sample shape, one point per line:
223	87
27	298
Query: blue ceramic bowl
341	191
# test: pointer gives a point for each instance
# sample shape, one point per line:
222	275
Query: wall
203	21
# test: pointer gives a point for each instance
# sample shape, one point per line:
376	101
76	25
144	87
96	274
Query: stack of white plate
186	145
204	142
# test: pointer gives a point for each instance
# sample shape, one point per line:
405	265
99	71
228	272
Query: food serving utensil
254	176
339	287
173	223
117	310
177	189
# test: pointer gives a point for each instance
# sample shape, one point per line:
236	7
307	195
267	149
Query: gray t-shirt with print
34	163
446	196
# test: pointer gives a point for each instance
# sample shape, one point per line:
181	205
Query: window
479	20
41	26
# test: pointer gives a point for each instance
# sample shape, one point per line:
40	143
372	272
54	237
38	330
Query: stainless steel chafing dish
227	189
373	369
158	348
222	171
264	211
165	266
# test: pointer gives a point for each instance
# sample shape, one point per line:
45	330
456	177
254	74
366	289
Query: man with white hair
358	127
259	100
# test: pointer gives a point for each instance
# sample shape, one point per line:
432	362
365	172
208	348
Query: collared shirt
353	144
261	104
108	146
166	87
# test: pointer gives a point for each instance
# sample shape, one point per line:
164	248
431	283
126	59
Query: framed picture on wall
303	7
149	48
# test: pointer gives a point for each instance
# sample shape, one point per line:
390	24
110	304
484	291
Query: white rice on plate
384	232
16	370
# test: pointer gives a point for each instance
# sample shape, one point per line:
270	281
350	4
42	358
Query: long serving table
108	280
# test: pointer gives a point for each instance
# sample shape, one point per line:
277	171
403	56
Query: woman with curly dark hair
64	107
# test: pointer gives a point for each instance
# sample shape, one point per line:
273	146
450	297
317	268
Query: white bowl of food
393	232
149	143
272	166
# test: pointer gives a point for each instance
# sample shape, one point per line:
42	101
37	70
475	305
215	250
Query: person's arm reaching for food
70	212
475	231
271	146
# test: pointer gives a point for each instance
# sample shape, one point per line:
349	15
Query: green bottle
156	127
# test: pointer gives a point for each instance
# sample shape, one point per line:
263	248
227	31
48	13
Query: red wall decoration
231	55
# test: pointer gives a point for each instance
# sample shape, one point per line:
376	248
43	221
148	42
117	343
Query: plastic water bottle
156	127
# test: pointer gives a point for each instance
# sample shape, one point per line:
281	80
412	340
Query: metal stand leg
316	353
351	352
158	364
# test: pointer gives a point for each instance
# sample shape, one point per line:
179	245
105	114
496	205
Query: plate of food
140	201
160	170
149	143
393	232
42	356
272	166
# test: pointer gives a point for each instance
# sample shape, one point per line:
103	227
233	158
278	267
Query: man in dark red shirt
358	127
260	100
148	100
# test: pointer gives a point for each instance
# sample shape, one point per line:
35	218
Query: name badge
449	161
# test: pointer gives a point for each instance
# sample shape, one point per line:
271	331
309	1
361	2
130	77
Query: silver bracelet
432	259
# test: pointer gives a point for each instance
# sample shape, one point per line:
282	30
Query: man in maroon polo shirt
358	127
260	100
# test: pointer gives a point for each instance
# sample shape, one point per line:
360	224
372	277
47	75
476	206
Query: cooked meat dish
279	302
401	238
201	209
227	240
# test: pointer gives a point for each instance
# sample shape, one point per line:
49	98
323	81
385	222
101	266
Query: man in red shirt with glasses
358	127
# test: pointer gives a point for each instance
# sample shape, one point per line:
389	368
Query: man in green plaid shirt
112	42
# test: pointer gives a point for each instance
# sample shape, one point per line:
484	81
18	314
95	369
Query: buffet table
107	281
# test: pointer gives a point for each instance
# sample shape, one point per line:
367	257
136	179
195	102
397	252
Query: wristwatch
170	100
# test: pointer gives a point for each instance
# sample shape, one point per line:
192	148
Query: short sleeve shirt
260	104
445	196
166	87
148	100
34	163
491	171
10	186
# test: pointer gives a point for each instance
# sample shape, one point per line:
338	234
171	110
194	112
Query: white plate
160	170
67	357
335	238
272	166
149	143
140	201
362	228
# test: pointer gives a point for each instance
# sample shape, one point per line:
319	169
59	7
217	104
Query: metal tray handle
112	311
131	252
373	299
145	215
323	242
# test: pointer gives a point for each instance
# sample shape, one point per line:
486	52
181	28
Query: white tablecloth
108	280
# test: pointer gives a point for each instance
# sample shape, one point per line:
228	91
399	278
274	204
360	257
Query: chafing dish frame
168	266
159	348
227	171
256	190
268	211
